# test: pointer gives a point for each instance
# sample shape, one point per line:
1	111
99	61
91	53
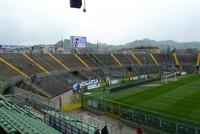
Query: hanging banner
83	84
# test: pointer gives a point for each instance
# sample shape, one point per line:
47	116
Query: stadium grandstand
43	87
74	86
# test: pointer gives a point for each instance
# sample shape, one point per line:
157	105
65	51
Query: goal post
165	77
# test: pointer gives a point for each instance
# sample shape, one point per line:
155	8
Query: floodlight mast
84	9
78	4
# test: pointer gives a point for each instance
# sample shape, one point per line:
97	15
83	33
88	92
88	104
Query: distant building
48	49
125	50
146	49
61	50
45	49
140	49
187	51
14	49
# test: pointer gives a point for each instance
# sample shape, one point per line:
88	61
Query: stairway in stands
96	60
99	64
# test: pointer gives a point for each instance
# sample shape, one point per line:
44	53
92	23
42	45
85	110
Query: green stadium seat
14	118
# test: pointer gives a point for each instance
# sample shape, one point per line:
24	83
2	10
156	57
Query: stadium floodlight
84	9
77	4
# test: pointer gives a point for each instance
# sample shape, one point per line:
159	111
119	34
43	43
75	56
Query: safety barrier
132	84
67	124
71	107
151	119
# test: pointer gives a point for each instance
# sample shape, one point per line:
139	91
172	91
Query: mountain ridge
163	44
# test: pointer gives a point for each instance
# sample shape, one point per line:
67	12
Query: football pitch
179	99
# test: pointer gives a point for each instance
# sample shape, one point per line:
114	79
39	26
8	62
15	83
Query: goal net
166	77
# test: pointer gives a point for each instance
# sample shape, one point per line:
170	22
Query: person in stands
104	130
140	129
97	131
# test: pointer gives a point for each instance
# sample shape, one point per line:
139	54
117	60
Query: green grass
178	99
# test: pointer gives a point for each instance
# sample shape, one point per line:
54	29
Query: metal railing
132	115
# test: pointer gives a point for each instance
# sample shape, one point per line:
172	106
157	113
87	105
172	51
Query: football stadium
162	92
74	86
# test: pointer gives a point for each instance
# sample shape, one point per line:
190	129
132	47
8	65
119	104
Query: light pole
84	9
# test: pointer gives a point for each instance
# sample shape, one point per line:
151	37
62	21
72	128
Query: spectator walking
140	129
97	131
104	130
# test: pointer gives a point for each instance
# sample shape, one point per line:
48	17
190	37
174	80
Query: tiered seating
87	60
167	61
148	64
88	74
52	62
53	85
70	60
110	63
132	60
107	59
6	71
46	61
98	65
187	61
14	119
69	78
123	59
19	61
100	73
145	59
161	58
96	61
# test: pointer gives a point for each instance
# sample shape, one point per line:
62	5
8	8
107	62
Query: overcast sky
108	21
